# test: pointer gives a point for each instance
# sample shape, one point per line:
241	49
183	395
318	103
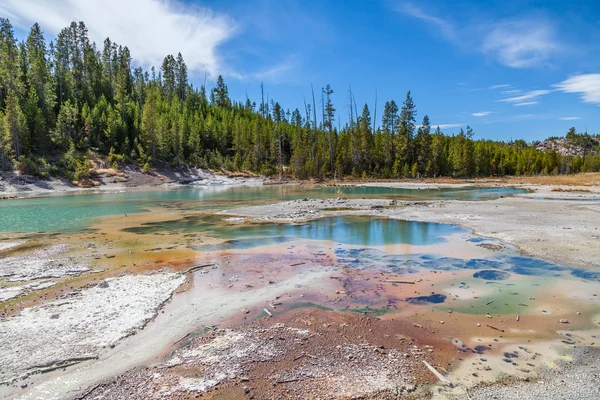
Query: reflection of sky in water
370	232
412	264
362	231
75	211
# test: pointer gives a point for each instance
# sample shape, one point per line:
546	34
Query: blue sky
510	69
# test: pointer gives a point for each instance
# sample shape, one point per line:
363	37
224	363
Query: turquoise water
360	231
74	212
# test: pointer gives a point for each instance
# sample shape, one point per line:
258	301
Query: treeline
63	101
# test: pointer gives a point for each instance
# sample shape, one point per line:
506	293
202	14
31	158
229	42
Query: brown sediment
307	353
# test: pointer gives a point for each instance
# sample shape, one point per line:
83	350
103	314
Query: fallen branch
493	327
65	361
268	312
295	265
90	390
441	377
197	267
54	368
397	281
299	357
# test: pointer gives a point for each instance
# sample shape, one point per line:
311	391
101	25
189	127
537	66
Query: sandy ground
577	380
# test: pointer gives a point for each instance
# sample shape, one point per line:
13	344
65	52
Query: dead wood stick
295	265
197	267
289	380
65	361
299	357
441	377
54	368
268	312
397	281
493	327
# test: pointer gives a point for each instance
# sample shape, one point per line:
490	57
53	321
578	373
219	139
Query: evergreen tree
422	145
390	125
328	124
15	125
220	94
406	132
10	73
181	77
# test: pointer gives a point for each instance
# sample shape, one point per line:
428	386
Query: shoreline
127	180
132	178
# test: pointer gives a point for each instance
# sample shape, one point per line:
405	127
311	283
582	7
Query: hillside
579	145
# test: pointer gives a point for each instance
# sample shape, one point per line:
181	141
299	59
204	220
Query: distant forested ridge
62	102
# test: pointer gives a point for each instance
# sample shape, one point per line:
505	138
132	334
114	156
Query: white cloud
276	73
522	43
481	114
150	28
569	118
500	86
445	27
586	85
512	91
447	126
524	98
527	103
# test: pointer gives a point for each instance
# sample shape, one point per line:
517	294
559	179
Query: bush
146	168
82	169
115	160
36	167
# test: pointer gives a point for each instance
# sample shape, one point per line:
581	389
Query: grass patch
339	209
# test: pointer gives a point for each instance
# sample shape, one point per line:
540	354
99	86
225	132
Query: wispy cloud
512	91
525	99
527	103
276	73
586	85
481	114
448	126
500	86
150	28
446	28
517	43
569	118
522	43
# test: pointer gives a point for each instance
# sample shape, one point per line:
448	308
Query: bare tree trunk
280	158
315	126
375	112
310	137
